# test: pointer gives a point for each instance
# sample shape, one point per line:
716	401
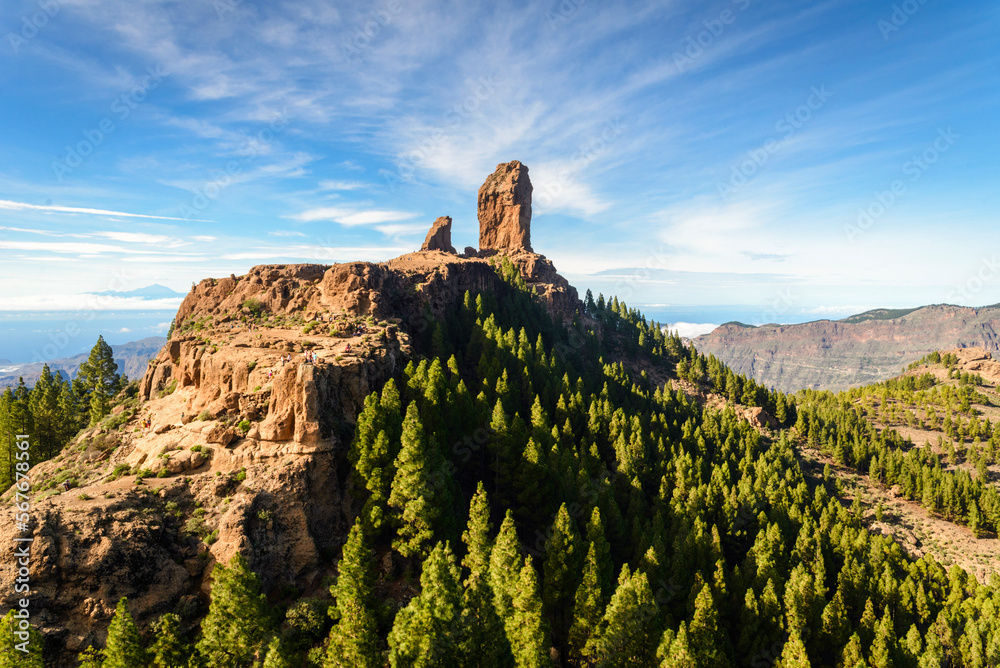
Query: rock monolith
505	209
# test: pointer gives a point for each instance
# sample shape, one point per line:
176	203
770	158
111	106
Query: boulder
758	418
439	236
221	435
505	209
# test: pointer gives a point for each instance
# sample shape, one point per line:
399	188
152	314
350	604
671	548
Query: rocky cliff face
837	355
240	439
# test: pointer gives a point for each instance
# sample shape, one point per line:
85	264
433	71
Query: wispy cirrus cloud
328	184
53	208
61	247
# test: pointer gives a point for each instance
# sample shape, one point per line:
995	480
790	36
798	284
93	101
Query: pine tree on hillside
419	493
675	650
278	655
602	554
884	648
483	642
835	626
8	431
527	630
124	647
44	407
11	655
89	658
353	641
168	648
628	634
239	620
562	570
505	568
704	632
99	375
793	654
426	631
852	655
588	607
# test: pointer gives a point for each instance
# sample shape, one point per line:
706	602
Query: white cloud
285	233
403	229
22	206
140	238
61	247
124	330
352	218
374	217
690	330
44	233
86	302
166	258
321	213
342	185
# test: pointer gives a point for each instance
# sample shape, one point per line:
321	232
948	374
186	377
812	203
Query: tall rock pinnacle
505	209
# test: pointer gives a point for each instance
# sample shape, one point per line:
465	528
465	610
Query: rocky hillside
840	354
237	440
940	415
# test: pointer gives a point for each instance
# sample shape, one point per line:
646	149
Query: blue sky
681	152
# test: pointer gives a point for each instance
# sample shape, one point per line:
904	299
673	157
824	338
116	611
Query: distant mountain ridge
860	349
131	358
155	291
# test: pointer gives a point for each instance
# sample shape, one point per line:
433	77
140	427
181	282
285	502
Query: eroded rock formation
240	440
505	209
439	236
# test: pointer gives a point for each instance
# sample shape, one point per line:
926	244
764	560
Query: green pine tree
793	654
44	407
168	648
628	634
278	655
90	658
852	656
99	375
675	650
704	633
426	631
602	554
588	607
353	639
527	631
239	620
124	647
562	571
16	652
415	498
483	642
505	569
884	648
